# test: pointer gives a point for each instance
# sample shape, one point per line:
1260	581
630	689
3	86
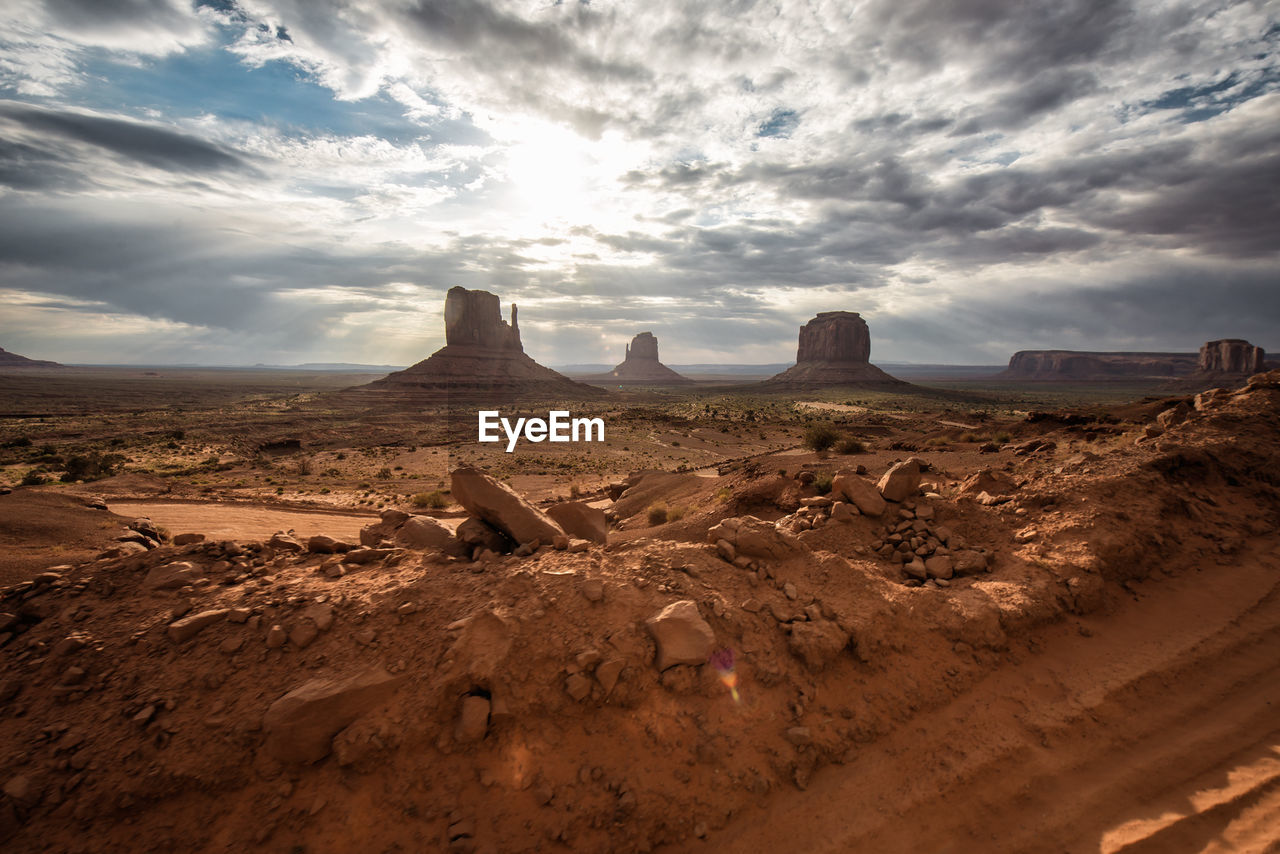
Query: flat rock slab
682	636
300	726
502	507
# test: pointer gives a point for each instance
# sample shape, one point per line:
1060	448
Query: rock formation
641	364
1231	356
482	358
834	350
1083	365
13	360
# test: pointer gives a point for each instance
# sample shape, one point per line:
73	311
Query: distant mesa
482	356
641	365
1095	366
1231	356
13	360
835	349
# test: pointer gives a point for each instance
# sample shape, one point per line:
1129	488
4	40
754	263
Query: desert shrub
970	437
1002	438
92	466
34	478
433	500
384	473
20	442
279	490
850	445
936	441
657	514
675	514
822	482
724	494
575	491
303	466
819	437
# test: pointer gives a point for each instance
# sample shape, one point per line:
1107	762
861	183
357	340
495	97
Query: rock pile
929	552
502	522
834	349
482	356
641	365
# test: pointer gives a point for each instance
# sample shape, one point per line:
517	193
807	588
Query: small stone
752	606
578	686
231	645
607	673
473	719
144	716
682	636
239	615
799	736
276	637
303	634
188	627
916	569
725	549
789	590
187	539
560	542
592	589
579	545
939	567
406	609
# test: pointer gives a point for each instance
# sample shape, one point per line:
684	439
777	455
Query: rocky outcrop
835	336
1231	356
482	358
641	365
835	348
502	507
580	519
1083	365
13	360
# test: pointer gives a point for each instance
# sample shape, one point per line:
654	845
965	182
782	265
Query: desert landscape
828	611
494	426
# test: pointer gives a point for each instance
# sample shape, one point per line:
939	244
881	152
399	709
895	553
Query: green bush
820	437
92	466
822	482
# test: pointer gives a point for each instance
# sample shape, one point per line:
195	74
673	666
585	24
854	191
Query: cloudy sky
283	181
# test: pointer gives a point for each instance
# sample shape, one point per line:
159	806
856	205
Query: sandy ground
1153	729
233	521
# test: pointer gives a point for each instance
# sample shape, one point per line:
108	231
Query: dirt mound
34	521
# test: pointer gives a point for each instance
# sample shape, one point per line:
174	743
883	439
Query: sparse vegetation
657	514
822	482
820	437
34	478
434	500
675	514
724	494
850	445
92	466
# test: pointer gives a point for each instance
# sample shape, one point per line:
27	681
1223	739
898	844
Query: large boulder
755	538
681	634
503	508
580	519
423	532
901	480
300	726
860	493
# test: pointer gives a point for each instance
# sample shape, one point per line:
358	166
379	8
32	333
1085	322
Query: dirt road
242	521
1153	729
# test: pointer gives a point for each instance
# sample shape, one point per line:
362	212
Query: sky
288	181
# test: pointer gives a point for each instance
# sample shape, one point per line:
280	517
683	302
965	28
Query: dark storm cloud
150	145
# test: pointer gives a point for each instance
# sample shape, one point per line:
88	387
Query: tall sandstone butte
482	358
835	349
641	364
1232	356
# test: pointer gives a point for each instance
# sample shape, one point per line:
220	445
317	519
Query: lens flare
722	661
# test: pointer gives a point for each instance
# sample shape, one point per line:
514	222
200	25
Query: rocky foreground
542	676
